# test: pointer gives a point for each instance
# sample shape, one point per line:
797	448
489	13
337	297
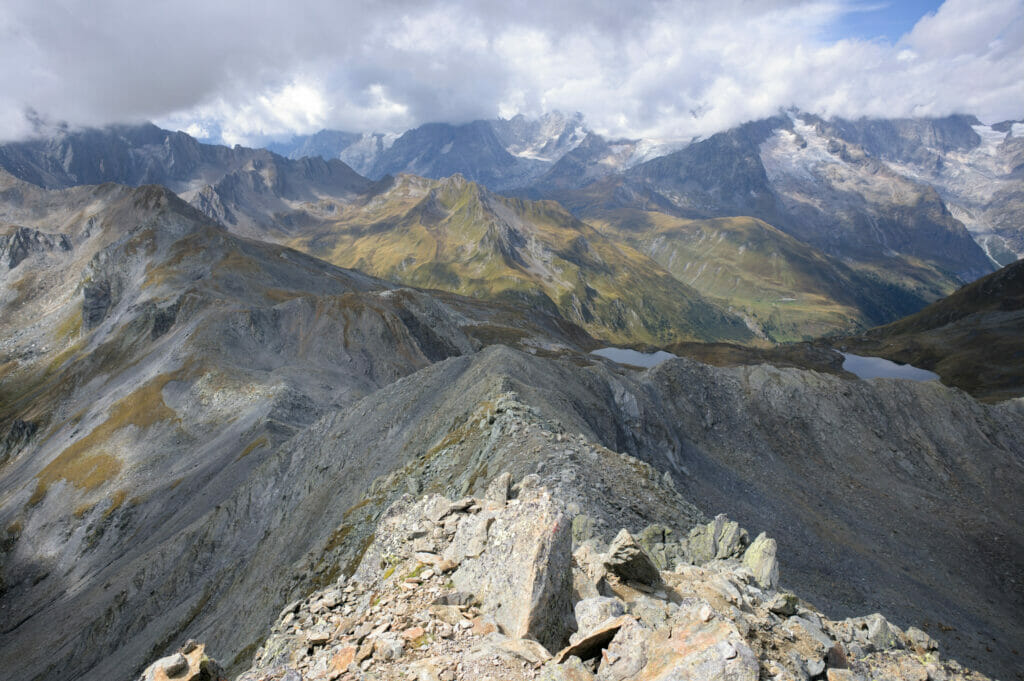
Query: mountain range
975	168
874	244
220	367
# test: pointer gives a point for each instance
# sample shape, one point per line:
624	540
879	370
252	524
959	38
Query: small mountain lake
876	367
633	357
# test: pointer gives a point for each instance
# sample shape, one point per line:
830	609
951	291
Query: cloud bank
248	71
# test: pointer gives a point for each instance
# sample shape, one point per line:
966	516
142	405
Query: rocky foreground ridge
518	585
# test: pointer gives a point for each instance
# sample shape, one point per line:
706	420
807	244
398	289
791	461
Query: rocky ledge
512	586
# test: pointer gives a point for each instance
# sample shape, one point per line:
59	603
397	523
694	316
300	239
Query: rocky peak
547	138
21	242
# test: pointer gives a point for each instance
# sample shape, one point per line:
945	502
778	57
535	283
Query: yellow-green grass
788	288
86	464
454	236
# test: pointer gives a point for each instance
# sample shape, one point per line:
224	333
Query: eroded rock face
406	615
23	242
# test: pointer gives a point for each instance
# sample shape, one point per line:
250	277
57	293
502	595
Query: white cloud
663	68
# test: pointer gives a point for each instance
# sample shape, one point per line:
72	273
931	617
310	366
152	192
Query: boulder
590	644
591	612
582	529
921	641
190	663
530	652
436	507
721	538
626	654
523	577
471	538
708	651
880	633
760	559
783	604
626	559
497	492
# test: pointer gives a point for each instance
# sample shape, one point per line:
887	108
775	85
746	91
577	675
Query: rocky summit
515	584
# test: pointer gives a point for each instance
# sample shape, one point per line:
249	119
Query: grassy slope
789	289
454	235
752	266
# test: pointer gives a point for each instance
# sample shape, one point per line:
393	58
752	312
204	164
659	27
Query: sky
249	71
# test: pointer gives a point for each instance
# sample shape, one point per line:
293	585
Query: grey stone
591	612
174	665
388	647
529	651
760	559
471	538
436	508
627	559
814	667
708	651
582	529
880	634
921	640
721	538
524	577
318	636
783	604
497	491
812	630
627	653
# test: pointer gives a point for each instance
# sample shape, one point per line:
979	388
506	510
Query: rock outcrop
190	663
507	611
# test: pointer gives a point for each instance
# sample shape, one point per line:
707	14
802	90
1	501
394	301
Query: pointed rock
760	559
497	492
628	560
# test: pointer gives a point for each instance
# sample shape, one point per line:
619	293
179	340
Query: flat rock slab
591	644
709	651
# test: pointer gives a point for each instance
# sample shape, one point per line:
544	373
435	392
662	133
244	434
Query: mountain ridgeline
855	237
267	393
